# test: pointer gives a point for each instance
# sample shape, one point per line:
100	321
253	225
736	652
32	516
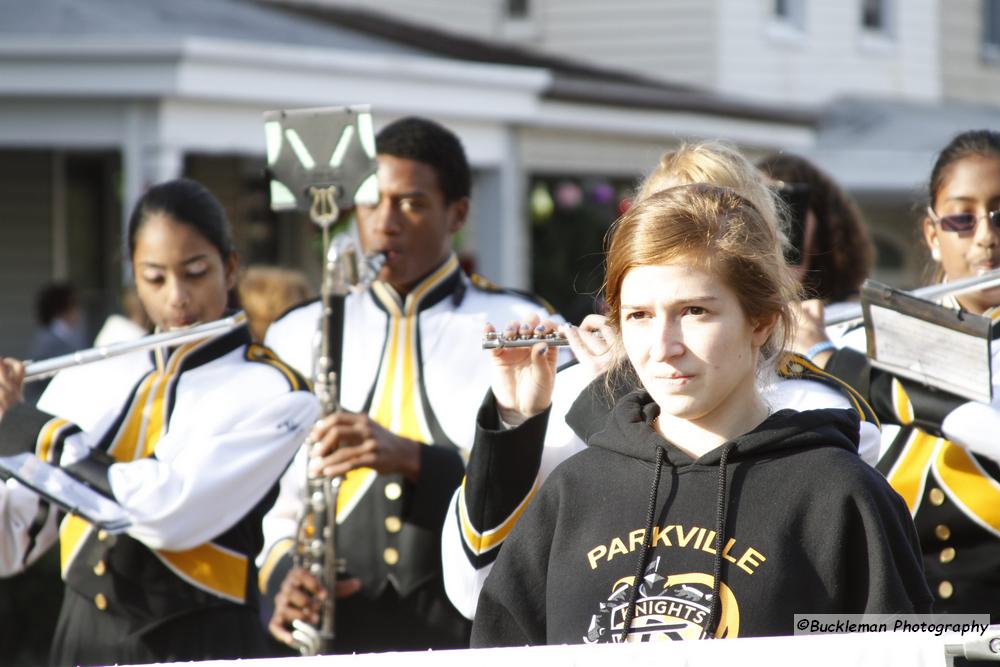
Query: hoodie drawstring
644	552
720	528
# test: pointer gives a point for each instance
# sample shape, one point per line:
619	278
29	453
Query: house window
790	12
875	15
991	29
518	9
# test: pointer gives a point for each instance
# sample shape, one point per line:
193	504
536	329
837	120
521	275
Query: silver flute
847	312
39	370
497	339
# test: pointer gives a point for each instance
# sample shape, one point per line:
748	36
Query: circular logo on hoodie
666	609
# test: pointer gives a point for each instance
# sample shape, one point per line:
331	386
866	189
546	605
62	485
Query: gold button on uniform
945	590
937	496
393	524
100	601
391	556
100	569
942	532
393	491
947	555
102	535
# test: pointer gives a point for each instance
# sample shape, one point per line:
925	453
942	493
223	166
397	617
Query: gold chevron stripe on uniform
145	419
396	403
480	543
156	414
210	567
787	369
47	436
265	355
969	486
908	476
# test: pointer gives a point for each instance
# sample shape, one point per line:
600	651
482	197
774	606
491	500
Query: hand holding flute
590	342
523	378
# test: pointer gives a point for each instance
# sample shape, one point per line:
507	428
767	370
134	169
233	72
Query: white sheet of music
73	496
931	353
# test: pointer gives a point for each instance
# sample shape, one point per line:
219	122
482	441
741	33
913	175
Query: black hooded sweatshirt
782	520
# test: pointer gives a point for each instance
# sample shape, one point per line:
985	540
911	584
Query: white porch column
514	242
503	248
145	161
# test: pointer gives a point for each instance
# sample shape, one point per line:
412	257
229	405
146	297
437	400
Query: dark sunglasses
962	222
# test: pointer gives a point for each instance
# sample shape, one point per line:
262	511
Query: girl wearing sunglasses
943	458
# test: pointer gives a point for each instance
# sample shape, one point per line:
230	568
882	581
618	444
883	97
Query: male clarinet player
414	375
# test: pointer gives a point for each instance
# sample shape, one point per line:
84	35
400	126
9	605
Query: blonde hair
268	291
720	164
724	233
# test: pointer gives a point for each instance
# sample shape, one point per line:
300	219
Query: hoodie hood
626	428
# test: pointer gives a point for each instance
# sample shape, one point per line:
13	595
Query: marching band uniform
506	470
943	461
415	365
191	443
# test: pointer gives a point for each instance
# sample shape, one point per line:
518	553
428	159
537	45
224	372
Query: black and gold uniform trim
486	519
262	354
793	366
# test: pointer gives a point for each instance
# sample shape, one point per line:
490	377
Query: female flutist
189	440
696	511
502	477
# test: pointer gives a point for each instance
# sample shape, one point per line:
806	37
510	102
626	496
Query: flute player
189	440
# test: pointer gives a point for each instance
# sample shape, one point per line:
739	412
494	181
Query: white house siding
967	75
671	40
557	151
831	55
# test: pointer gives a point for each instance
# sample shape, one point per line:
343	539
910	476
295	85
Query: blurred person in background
830	247
266	292
60	329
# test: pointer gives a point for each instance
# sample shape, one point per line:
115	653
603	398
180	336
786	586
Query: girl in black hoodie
694	512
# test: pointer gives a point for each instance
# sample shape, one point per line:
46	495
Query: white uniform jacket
417	366
191	445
